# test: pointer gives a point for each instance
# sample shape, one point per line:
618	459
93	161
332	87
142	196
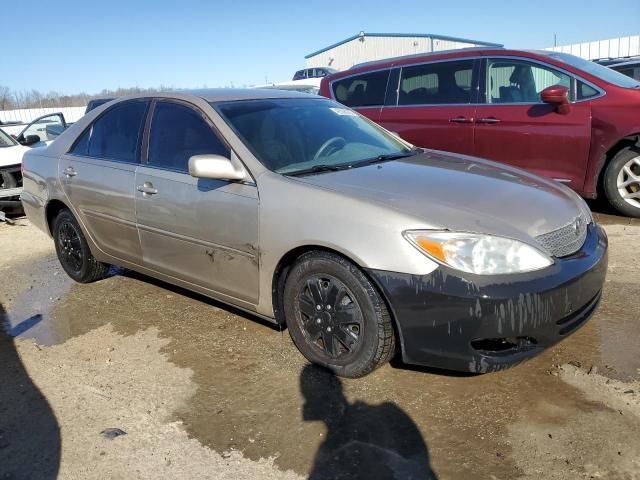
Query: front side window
517	81
436	83
295	136
177	133
364	90
115	134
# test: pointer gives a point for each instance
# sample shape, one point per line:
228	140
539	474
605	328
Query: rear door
434	105
365	92
98	177
201	231
514	126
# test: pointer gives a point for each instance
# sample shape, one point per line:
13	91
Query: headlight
479	254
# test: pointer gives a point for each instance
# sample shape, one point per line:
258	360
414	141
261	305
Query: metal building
621	47
366	47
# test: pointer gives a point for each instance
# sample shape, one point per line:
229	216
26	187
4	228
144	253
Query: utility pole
555	40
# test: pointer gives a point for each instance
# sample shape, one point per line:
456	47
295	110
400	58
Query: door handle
70	172
489	120
147	189
461	120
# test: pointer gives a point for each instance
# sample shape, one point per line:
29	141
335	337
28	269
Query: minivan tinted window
177	133
365	90
517	81
115	134
436	83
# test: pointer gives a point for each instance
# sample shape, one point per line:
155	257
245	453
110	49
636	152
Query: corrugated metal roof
404	35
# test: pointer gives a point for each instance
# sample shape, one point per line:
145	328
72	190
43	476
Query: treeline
12	100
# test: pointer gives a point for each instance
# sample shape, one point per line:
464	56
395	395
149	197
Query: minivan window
115	134
586	91
436	83
177	133
517	81
366	90
295	135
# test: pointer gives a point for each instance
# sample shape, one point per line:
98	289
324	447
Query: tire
351	333
616	175
73	251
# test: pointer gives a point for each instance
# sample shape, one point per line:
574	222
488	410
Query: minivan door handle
70	172
147	189
489	120
461	120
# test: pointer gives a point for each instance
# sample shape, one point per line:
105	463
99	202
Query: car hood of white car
12	155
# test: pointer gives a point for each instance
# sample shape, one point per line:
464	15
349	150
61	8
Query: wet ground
237	390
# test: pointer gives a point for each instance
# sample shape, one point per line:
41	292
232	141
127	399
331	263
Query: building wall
367	49
611	48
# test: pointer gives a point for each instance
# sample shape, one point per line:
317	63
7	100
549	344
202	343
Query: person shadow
363	441
30	439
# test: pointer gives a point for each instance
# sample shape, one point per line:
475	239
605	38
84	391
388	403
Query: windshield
299	135
604	73
6	140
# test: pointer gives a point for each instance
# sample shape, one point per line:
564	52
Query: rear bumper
459	321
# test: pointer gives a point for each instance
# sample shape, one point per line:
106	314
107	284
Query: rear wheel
336	317
73	251
622	182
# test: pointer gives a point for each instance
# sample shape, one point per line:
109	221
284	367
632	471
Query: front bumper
459	321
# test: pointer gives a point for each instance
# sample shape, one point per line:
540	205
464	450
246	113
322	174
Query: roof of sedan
228	94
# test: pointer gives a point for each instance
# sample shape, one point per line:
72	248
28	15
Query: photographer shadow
363	441
30	439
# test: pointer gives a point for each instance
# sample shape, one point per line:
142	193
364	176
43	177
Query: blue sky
71	46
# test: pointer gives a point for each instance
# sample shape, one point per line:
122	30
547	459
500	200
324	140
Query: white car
10	175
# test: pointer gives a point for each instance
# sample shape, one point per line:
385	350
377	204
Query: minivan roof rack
420	55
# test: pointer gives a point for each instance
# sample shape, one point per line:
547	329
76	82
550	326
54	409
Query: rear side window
365	90
177	133
436	83
517	81
115	135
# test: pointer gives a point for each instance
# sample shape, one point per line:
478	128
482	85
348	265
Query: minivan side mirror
215	167
557	95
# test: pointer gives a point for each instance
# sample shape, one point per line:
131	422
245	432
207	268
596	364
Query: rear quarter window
366	90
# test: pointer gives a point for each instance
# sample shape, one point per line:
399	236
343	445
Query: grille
565	240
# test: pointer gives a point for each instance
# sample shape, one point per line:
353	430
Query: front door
98	177
513	126
204	232
46	128
435	106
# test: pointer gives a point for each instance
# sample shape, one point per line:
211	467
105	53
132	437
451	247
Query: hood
12	155
455	192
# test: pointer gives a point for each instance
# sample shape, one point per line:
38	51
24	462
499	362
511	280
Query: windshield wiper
386	157
318	169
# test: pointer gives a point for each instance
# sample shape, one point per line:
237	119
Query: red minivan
551	113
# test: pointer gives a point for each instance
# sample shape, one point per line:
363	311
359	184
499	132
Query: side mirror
216	167
28	140
557	95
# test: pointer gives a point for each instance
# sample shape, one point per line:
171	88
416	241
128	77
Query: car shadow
30	439
362	440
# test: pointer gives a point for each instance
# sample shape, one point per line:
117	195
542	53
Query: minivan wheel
622	182
336	317
73	251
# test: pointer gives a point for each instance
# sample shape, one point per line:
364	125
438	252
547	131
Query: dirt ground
204	391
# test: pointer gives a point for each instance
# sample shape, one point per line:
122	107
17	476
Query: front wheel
73	251
335	316
622	182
